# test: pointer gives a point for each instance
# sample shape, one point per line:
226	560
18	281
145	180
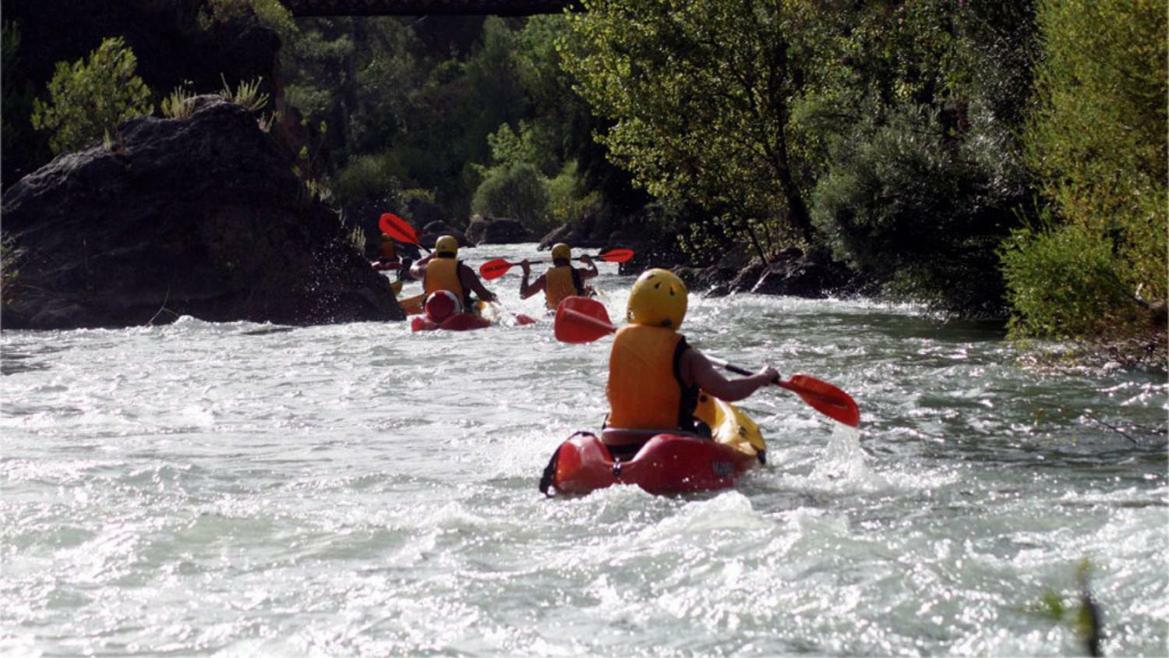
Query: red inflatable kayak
667	463
457	322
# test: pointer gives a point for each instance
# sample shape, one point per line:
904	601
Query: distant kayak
443	311
412	305
667	463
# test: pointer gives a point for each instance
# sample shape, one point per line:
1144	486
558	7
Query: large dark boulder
433	230
590	231
200	217
795	273
486	230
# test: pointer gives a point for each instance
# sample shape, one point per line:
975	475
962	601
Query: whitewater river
244	489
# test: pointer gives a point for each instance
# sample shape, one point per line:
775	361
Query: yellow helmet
561	250
446	244
658	299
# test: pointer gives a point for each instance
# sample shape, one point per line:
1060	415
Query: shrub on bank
515	190
1097	144
91	97
1064	281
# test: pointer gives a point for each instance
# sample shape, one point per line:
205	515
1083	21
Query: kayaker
442	270
561	280
655	376
387	253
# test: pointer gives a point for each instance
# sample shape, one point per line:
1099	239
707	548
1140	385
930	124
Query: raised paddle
583	320
399	229
493	269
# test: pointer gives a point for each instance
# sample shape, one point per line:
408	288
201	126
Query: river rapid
243	489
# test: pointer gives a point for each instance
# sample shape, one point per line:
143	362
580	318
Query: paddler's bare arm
529	290
469	280
589	273
696	369
418	269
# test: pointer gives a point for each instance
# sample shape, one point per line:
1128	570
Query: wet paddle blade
582	320
617	255
397	228
825	398
493	269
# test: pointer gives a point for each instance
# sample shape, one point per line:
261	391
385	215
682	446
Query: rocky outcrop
433	230
591	231
486	230
200	217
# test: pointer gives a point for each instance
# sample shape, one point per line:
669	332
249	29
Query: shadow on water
900	327
11	364
266	331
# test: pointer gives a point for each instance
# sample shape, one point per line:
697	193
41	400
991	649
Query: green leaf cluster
91	97
1097	145
701	95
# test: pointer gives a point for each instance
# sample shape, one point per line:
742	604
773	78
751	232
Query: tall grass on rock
91	97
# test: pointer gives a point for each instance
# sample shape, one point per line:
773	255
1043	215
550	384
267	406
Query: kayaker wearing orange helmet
562	280
654	375
442	270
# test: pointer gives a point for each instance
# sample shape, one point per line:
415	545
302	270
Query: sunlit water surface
242	489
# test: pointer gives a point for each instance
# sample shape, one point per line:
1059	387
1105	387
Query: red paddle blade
493	269
825	398
617	255
397	228
582	320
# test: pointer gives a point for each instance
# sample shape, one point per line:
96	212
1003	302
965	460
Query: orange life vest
387	250
443	274
645	381
560	282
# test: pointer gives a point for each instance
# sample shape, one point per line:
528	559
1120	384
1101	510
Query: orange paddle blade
582	320
616	255
825	398
493	269
397	228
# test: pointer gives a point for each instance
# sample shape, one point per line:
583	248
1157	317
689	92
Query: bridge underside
424	7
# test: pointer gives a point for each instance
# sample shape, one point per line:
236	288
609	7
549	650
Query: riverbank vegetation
999	159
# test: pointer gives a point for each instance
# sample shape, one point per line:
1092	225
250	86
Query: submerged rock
200	216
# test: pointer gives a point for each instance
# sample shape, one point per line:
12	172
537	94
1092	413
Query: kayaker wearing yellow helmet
654	375
442	270
562	280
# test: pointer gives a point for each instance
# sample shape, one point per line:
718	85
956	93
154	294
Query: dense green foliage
984	156
883	132
1097	144
695	119
89	98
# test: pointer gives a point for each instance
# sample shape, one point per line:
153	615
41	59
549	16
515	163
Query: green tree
910	118
517	191
701	95
90	98
1098	145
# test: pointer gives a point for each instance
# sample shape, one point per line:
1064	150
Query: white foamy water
243	489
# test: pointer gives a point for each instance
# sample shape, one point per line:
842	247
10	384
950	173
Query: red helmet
442	304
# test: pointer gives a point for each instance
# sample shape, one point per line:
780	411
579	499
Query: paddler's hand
586	259
526	267
767	375
490	297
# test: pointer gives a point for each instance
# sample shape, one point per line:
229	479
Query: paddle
584	320
399	229
493	269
